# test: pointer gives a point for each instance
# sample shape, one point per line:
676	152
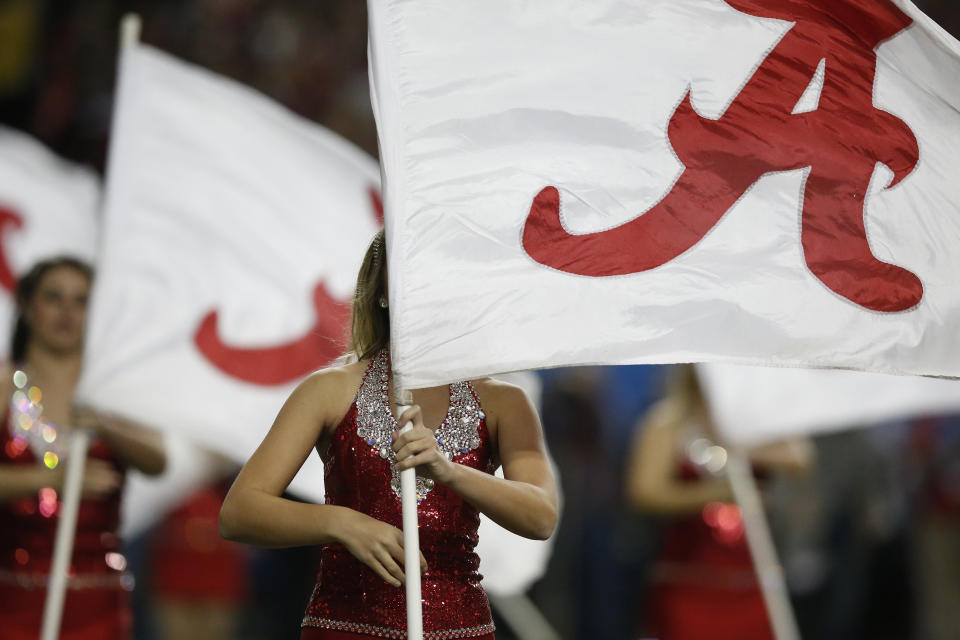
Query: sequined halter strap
459	432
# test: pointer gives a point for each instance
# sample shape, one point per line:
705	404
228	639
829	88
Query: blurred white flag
48	207
668	181
233	232
754	405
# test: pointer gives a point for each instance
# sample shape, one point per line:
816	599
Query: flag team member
344	412
46	352
704	583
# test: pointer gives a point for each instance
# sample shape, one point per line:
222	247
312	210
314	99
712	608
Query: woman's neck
51	368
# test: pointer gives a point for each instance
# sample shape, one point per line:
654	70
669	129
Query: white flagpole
411	533
76	461
66	529
764	554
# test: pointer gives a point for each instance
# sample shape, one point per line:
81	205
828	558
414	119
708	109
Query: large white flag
233	232
753	405
48	208
755	181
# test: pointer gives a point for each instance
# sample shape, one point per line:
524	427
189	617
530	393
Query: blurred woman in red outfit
345	414
704	585
199	582
46	359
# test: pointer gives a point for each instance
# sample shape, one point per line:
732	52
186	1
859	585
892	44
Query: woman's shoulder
499	396
328	392
496	386
667	415
339	375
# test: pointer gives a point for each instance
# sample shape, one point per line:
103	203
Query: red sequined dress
349	598
97	601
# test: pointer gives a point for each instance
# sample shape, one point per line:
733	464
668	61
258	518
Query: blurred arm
652	482
137	446
17	481
795	456
100	479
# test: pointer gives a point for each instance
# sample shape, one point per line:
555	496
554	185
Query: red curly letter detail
841	142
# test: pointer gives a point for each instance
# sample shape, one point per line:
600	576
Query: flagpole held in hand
411	534
66	531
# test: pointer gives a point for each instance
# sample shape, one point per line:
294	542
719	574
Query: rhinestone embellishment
29	428
457	434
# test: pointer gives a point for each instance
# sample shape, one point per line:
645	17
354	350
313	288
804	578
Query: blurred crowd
59	58
869	533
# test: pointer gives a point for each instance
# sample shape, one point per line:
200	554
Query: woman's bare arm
18	480
254	511
137	446
652	482
100	479
795	456
524	501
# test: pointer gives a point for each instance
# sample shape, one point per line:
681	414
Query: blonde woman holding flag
345	414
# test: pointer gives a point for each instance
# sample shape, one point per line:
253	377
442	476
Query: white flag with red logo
48	208
754	405
755	181
233	232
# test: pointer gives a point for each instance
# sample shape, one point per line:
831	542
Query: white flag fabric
611	182
755	405
48	208
233	232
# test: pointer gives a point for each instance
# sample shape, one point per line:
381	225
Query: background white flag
48	207
753	405
233	232
793	163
